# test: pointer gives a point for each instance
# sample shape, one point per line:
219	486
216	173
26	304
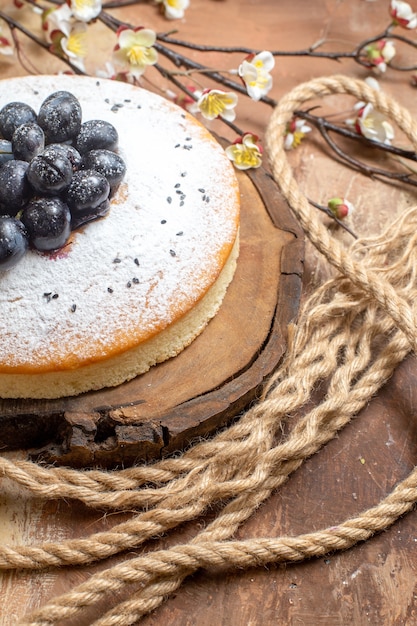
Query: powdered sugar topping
125	277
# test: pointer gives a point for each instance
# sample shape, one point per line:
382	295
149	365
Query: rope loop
334	251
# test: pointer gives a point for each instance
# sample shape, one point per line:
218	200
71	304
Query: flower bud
402	14
340	208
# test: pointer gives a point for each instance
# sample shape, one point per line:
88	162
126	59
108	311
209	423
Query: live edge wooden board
204	387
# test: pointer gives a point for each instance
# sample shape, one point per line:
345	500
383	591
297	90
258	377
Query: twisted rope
160	568
361	276
352	333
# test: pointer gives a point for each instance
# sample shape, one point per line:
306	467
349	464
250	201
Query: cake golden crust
135	287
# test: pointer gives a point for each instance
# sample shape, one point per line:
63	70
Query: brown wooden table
373	583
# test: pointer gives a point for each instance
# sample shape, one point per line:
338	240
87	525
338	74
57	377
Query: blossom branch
138	47
368	170
360	56
171	77
330	214
323	123
357	54
15	25
180	60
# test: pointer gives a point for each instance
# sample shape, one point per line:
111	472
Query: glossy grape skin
96	135
108	163
13	115
28	141
88	189
60	117
79	218
14	187
49	176
6	152
47	222
66	150
13	242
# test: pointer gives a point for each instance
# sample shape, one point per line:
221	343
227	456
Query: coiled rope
352	332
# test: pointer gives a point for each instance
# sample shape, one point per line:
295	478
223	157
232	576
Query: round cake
135	287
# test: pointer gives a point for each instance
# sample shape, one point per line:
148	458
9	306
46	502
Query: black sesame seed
181	232
177	146
169	199
128	284
178	191
202	190
208	199
204	198
135	280
163	221
136	261
127	100
55	296
109	289
117	260
182	203
106	100
73	308
177	185
188	139
47	293
173	253
183	174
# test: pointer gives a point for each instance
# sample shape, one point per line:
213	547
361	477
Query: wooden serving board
205	386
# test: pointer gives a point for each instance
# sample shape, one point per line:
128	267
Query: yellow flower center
261	81
245	156
368	123
84	4
216	104
137	55
297	138
77	44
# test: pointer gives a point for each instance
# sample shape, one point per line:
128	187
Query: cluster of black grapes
56	173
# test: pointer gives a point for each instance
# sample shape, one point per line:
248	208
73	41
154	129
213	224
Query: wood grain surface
373	583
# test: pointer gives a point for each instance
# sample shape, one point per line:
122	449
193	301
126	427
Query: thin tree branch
328	212
372	171
322	122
